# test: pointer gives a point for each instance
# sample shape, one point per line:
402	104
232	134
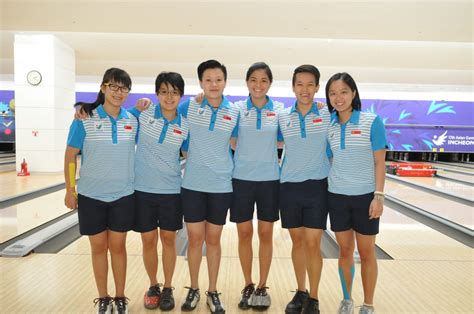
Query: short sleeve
378	137
77	134
185	144
183	108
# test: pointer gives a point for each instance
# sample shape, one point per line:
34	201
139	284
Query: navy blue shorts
247	193
96	216
202	206
157	211
304	204
348	212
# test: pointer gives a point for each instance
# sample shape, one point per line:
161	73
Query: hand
80	114
375	209
143	104
70	200
320	105
199	97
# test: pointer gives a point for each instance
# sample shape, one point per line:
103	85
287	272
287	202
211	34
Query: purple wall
412	125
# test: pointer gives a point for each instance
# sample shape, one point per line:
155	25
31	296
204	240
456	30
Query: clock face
34	77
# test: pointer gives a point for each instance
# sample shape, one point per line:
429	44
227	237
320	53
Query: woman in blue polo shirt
356	182
105	193
163	131
256	180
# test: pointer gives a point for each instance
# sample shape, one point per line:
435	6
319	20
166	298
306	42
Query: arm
376	206
70	166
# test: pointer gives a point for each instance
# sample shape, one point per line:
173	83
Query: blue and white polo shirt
157	165
256	154
209	162
108	153
352	145
305	156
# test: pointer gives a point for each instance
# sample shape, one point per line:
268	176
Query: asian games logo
440	140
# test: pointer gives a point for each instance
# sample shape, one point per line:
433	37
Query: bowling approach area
427	272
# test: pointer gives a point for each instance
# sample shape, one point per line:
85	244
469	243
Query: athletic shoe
246	299
191	300
366	309
346	307
151	299
214	303
121	305
261	299
104	305
311	307
296	304
167	299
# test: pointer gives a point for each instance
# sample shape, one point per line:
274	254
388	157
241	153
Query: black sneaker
167	299
214	303
261	300
151	299
191	300
296	304
104	305
121	305
245	300
311	306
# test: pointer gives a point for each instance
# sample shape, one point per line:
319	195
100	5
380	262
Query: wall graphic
412	125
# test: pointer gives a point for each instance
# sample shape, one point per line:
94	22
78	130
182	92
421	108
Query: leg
265	235
369	271
297	256
168	241
196	234
314	260
150	255
245	232
118	254
345	240
100	264
213	253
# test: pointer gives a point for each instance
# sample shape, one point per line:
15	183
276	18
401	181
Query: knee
367	255
99	248
298	242
168	239
195	240
149	242
117	247
265	235
346	250
213	241
245	235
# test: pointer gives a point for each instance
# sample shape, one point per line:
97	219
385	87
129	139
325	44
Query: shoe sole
151	307
261	308
166	308
244	307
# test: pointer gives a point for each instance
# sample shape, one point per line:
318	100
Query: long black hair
346	78
111	75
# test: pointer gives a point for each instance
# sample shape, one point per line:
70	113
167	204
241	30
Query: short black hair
346	78
307	68
211	64
172	78
259	66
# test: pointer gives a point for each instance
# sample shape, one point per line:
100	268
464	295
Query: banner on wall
412	125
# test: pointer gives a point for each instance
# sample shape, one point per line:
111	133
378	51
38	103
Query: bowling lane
25	216
13	185
407	239
453	211
456	176
454	188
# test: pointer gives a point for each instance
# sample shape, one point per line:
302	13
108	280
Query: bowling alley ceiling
392	42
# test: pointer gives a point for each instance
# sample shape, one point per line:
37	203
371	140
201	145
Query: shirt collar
103	114
159	115
314	108
224	104
268	105
354	119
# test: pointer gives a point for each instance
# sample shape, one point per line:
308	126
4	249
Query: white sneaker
346	307
104	305
366	309
214	303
